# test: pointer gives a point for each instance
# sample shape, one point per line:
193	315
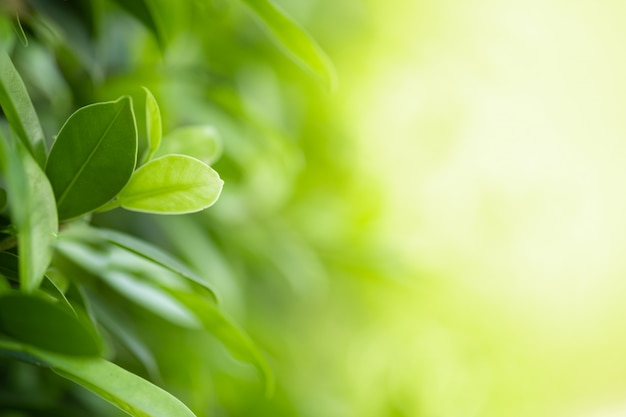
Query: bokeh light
496	131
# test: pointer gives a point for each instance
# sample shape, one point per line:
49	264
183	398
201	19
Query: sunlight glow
499	135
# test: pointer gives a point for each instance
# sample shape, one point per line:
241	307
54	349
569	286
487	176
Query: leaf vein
91	154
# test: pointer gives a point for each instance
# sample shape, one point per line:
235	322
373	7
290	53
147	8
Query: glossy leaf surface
73	243
33	212
151	298
172	184
40	322
153	124
295	40
18	109
93	157
200	142
153	254
127	391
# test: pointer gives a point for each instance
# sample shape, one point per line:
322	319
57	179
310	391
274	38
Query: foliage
97	306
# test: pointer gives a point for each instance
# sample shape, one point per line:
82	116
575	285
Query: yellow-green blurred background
493	133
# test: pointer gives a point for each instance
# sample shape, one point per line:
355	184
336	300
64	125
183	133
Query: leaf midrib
161	190
84	164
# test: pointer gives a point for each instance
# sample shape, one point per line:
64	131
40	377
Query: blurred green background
441	236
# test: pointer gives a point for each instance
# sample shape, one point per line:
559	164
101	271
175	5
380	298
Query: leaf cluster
81	300
57	272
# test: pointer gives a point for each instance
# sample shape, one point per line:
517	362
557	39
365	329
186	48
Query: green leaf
143	11
153	254
7	34
200	142
83	15
42	323
74	241
151	298
296	41
32	210
153	124
125	390
19	110
172	184
129	283
237	342
3	199
19	30
17	351
93	157
123	328
86	12
9	266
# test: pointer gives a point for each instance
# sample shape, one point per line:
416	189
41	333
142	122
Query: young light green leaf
33	212
74	243
127	391
235	340
173	184
142	292
153	124
19	30
40	322
143	11
19	110
151	298
93	157
200	142
153	254
296	41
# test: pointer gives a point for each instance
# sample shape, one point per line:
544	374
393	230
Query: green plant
92	166
63	279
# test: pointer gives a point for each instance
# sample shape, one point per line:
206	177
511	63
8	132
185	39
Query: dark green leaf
237	342
127	391
87	13
16	350
93	157
40	322
9	266
295	40
32	210
120	326
19	110
3	199
143	11
84	15
172	184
